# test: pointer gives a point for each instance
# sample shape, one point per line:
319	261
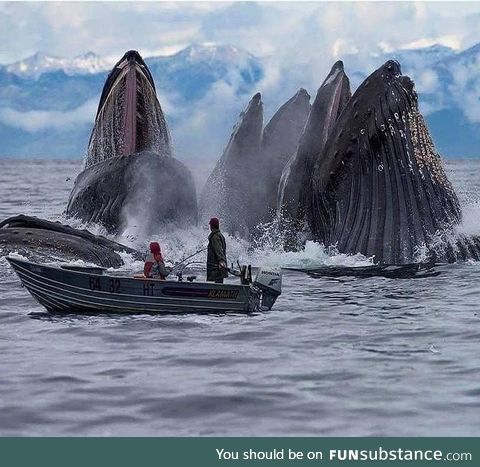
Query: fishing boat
67	288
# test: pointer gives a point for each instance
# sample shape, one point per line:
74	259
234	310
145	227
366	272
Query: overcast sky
292	31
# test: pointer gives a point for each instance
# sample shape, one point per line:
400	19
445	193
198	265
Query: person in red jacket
154	266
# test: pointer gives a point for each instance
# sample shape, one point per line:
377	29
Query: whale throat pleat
381	188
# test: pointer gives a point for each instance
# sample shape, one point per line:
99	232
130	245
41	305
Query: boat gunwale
161	281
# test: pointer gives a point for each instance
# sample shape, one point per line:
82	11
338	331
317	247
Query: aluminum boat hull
90	291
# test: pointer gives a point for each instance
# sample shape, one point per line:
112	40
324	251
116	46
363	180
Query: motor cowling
269	281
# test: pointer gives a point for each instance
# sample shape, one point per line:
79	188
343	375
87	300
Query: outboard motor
269	281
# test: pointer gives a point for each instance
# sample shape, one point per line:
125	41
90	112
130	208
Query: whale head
129	118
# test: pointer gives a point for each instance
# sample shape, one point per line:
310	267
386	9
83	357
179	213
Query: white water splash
470	218
176	244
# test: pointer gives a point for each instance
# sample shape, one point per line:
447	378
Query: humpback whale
227	190
379	187
279	141
39	239
130	176
242	188
295	189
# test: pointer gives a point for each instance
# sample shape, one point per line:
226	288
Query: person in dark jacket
154	266
216	253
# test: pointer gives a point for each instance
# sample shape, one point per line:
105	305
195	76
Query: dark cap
214	222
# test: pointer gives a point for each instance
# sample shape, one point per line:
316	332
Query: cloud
451	41
427	81
465	87
40	120
289	30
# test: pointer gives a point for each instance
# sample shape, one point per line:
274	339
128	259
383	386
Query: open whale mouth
380	188
129	172
129	117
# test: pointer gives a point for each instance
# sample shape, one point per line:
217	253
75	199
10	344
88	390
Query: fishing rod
192	255
188	257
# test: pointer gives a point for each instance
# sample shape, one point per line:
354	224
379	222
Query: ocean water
336	356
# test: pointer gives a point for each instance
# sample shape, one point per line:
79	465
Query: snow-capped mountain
192	71
211	53
40	63
47	104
